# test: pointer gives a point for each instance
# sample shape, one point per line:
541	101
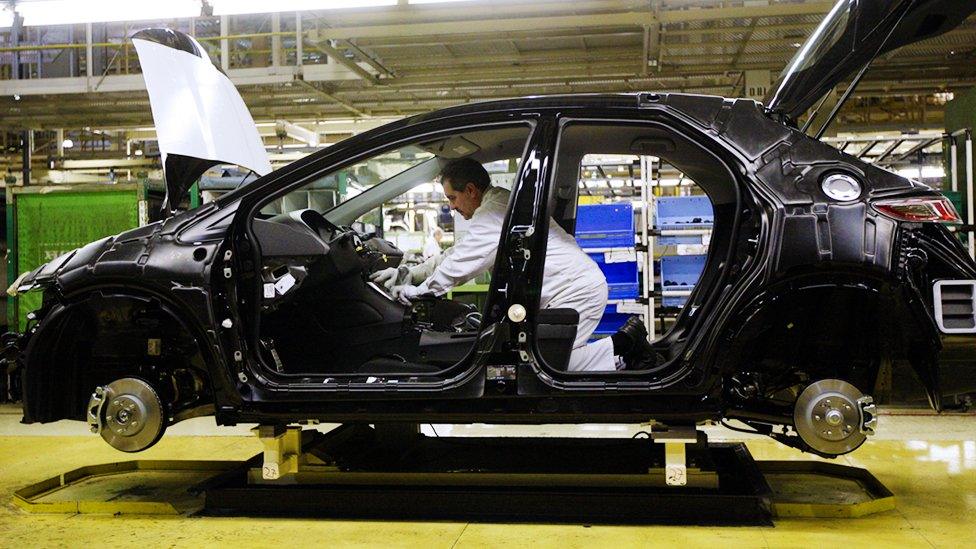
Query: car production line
873	239
928	462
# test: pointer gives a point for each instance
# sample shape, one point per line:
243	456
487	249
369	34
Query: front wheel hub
833	417
128	414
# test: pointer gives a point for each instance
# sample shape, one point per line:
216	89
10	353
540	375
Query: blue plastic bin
684	212
681	272
611	321
605	226
622	277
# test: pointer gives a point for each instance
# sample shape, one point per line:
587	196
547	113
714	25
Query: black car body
821	267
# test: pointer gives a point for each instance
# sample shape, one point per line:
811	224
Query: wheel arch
827	324
97	334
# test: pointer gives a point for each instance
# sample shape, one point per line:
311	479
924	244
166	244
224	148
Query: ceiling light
66	12
233	7
67	143
138	152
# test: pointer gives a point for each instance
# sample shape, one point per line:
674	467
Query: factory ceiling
367	65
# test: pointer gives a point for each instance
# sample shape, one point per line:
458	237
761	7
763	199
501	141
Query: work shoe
647	359
641	355
635	331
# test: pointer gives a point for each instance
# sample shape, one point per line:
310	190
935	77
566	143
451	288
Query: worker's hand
405	293
386	277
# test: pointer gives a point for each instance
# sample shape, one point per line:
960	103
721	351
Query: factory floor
928	462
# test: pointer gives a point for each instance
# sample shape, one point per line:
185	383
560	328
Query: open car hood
852	34
200	118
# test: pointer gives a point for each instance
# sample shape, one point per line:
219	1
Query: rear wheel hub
833	417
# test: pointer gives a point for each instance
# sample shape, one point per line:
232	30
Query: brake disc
129	414
833	417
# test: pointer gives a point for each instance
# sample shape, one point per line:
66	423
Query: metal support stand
675	457
282	450
648	212
392	470
352	471
284	456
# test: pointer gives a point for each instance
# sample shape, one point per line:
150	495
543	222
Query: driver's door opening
323	313
654	210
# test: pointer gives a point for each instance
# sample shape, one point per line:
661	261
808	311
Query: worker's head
465	182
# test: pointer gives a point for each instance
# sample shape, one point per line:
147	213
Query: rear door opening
596	195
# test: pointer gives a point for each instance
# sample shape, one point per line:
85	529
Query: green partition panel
49	224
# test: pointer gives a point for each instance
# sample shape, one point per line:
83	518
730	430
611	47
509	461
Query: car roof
583	100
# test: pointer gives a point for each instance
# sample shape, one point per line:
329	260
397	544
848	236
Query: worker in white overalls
571	279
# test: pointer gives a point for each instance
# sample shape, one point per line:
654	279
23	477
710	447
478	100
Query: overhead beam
824	107
801	28
107	163
269	129
744	12
917	148
638	19
630	19
745	42
341	102
298	133
888	150
404	14
866	148
537	36
666	43
882	138
135	82
370	59
885	126
337	56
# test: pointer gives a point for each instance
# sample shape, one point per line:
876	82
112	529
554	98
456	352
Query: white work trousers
596	356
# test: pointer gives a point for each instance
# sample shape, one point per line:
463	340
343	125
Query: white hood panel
197	111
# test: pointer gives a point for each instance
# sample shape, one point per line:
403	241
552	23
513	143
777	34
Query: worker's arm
474	255
423	271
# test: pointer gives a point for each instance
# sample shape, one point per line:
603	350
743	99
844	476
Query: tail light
936	209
